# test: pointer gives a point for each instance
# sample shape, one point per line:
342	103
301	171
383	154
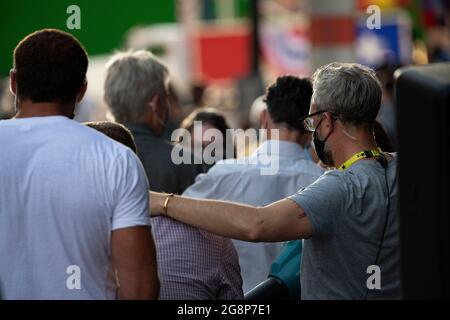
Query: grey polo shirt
347	210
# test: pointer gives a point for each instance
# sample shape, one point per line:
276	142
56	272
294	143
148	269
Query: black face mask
320	148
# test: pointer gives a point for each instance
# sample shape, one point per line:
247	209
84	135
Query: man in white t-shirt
73	203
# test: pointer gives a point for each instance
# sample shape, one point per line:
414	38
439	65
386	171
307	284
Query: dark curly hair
288	100
50	66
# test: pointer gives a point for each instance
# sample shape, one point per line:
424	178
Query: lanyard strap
374	153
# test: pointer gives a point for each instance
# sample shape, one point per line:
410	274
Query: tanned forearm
280	221
231	220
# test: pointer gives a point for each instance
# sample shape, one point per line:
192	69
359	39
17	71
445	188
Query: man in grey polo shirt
348	225
349	216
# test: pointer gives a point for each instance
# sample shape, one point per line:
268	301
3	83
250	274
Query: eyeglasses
308	121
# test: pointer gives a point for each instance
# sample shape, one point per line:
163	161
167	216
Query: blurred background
223	53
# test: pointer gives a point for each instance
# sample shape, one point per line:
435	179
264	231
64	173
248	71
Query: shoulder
100	147
151	147
338	180
323	200
324	176
227	166
311	168
331	179
81	138
236	166
328	185
82	132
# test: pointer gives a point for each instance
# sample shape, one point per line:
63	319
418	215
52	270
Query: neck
363	140
288	136
152	122
29	109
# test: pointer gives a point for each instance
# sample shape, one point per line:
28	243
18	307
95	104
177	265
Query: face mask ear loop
349	135
354	139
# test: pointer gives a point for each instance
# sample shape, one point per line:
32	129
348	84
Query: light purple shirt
194	264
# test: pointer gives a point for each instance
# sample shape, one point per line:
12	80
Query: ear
82	92
326	125
13	81
329	121
263	119
154	103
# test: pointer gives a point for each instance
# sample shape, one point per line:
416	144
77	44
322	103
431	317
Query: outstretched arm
280	221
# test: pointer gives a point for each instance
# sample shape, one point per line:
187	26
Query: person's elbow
255	229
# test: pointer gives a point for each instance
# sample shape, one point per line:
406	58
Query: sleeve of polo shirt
322	201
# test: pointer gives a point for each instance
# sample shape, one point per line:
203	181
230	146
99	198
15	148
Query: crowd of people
101	210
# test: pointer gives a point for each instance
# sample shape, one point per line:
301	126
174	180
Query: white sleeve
131	196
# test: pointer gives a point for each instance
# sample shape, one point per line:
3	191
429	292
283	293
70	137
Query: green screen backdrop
103	23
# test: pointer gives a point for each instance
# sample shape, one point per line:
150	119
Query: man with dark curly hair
73	203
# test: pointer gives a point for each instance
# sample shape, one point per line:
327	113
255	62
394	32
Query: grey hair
133	78
350	91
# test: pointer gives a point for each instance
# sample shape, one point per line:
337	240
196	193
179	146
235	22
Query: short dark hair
288	100
212	117
115	131
50	66
207	115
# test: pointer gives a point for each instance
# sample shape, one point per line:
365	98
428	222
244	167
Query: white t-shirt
64	188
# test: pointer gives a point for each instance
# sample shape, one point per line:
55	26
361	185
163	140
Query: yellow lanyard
374	153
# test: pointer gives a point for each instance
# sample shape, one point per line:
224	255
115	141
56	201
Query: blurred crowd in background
223	53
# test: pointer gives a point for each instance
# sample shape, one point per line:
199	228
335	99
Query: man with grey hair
192	264
136	92
348	217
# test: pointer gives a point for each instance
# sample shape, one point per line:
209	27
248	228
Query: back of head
50	66
208	116
213	118
115	131
133	78
350	91
288	100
